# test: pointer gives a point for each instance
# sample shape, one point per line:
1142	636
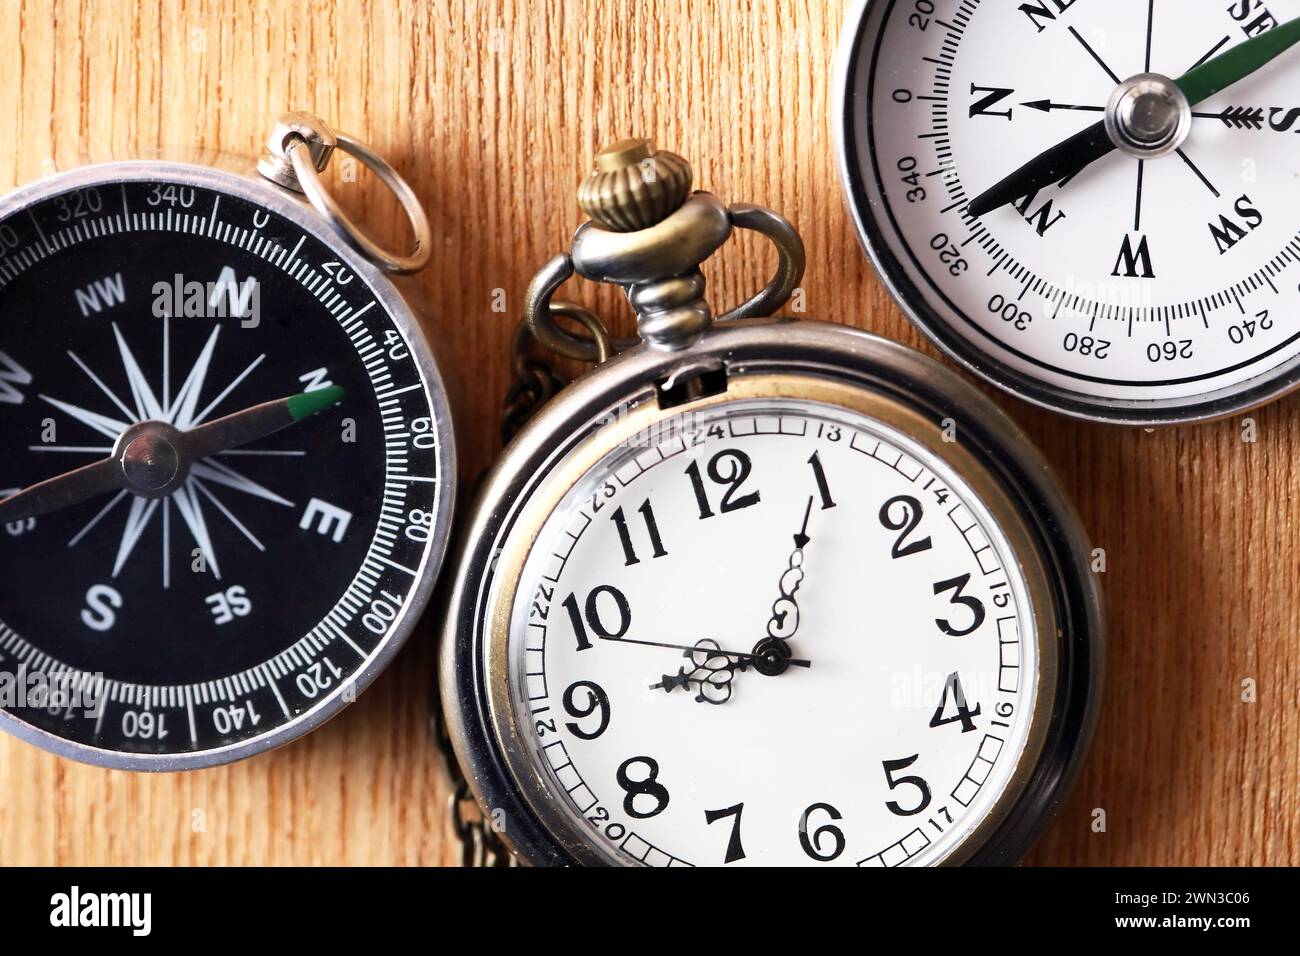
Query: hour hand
713	669
708	647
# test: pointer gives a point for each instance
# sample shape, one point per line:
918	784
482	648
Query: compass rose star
184	413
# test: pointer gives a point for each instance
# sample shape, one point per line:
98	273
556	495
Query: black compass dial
228	575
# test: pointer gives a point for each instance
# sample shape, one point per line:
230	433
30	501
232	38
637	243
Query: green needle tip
1202	82
312	403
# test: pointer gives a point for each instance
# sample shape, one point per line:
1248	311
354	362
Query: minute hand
712	651
1085	148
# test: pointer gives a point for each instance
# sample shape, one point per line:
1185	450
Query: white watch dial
773	632
1159	280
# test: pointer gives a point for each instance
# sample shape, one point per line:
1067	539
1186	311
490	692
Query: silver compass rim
236	178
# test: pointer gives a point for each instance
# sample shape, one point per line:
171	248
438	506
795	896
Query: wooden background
492	111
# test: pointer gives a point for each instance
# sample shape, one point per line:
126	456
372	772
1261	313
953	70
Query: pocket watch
1092	205
754	590
227	455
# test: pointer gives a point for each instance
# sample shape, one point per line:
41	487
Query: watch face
1139	289
254	587
775	632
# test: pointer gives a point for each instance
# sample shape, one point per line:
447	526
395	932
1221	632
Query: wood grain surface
492	111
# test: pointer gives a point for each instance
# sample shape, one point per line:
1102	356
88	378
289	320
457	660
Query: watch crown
634	186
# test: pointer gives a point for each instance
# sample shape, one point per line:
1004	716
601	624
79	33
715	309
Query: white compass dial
1170	282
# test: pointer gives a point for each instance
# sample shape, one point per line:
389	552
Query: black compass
225	458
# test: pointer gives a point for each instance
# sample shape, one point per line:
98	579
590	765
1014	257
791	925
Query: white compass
1093	205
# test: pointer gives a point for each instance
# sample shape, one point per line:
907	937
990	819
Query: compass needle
69	489
1085	148
1234	65
163	448
261	421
